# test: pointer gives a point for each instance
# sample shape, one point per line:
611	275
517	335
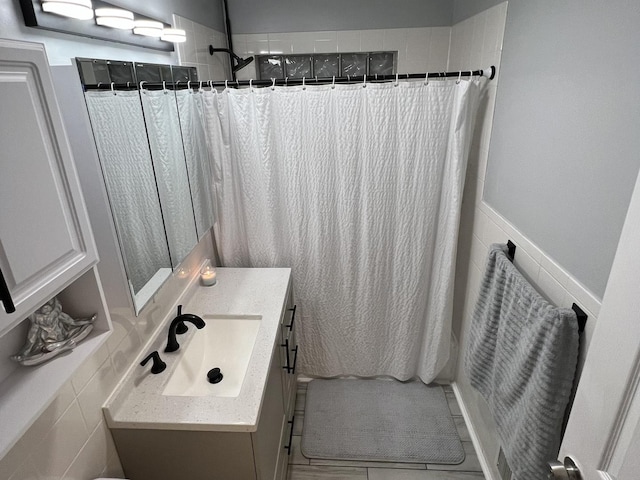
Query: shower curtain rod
486	72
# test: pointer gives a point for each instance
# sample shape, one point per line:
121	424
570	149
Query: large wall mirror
156	165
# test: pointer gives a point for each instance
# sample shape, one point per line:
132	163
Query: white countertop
138	402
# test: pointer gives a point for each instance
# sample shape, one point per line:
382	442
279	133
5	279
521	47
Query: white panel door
603	434
45	236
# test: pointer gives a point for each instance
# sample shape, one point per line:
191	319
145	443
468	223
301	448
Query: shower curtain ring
273	84
164	86
112	89
128	84
364	84
426	78
226	84
189	86
459	77
141	87
211	84
333	83
348	79
397	81
251	84
304	87
286	81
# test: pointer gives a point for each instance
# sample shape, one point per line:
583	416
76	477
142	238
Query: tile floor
303	468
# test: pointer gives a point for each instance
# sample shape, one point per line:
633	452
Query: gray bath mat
379	420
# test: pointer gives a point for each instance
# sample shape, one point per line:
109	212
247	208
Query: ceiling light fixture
78	9
148	28
175	35
114	18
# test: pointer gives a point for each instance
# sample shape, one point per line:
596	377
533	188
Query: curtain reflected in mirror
190	108
167	154
121	139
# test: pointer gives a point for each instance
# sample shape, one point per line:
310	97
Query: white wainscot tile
280	43
583	297
129	348
417	45
492	58
473	287
527	265
239	44
493	233
257	44
551	288
88	368
478	252
34	435
93	458
348	40
477	39
189	47
463	34
479	223
371	40
395	39
494	28
248	72
554	269
439	41
27	471
303	42
113	468
121	325
95	393
325	42
59	447
204	38
408	66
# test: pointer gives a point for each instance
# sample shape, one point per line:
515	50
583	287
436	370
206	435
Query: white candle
208	276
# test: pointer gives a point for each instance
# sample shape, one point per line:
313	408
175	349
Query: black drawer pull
5	296
293	317
286	345
288	447
295	360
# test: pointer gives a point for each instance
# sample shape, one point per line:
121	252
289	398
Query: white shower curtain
190	108
168	156
358	189
119	132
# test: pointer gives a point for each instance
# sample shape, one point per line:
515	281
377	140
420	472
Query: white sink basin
226	342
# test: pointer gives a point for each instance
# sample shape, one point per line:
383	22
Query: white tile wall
70	440
478	41
195	51
419	49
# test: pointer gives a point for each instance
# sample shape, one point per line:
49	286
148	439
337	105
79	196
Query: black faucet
158	364
178	326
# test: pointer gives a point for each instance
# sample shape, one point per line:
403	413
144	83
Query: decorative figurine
52	332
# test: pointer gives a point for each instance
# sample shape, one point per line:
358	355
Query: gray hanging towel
521	357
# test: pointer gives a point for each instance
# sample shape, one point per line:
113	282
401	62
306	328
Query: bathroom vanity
178	425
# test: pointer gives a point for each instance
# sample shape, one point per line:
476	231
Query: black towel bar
581	316
512	250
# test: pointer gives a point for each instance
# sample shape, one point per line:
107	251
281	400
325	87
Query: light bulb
78	9
175	35
114	18
148	28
